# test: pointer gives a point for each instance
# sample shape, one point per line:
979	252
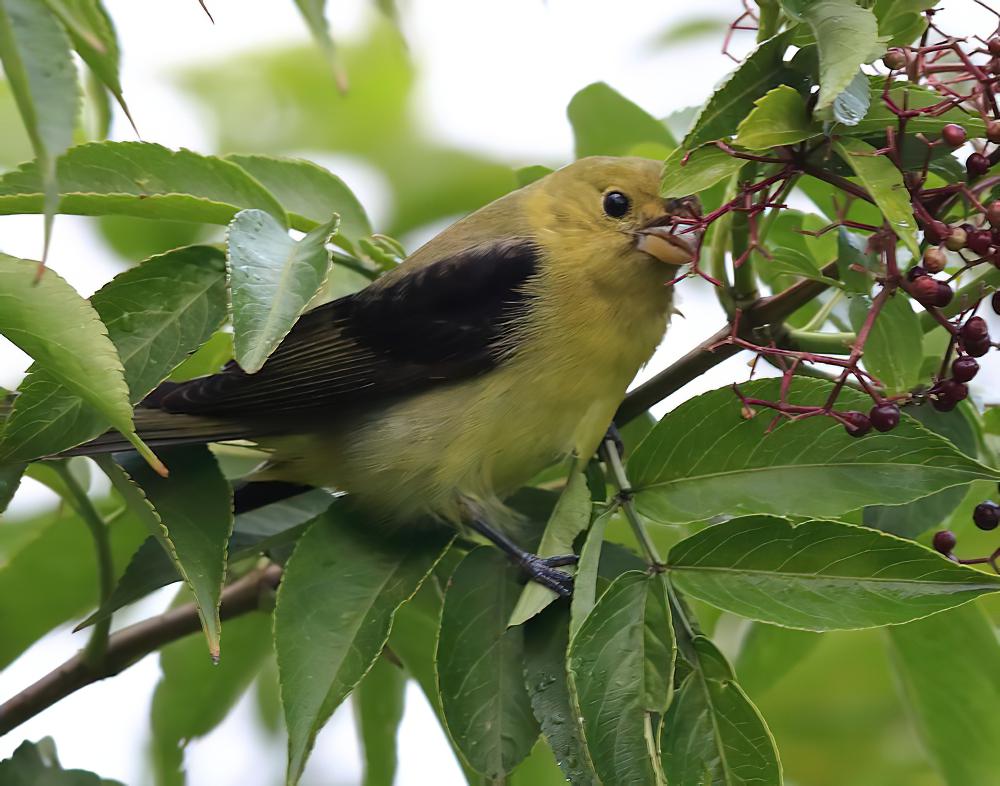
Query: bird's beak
668	240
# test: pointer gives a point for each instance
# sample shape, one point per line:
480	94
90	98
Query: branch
131	644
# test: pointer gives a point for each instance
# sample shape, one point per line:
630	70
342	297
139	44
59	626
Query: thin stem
96	647
614	461
821	342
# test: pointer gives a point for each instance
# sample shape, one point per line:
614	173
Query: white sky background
496	76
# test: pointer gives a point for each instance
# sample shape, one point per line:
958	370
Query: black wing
445	321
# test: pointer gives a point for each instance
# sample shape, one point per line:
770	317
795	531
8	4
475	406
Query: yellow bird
500	346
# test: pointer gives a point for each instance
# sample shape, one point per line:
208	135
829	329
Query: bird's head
612	207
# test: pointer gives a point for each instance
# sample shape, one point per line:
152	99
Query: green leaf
820	575
901	21
155	314
894	349
846	35
59	557
272	279
194	695
704	459
605	123
546	640
38	64
48	320
480	665
852	254
851	106
769	652
792	262
915	97
310	193
687	173
885	184
93	35
313	12
712	733
209	358
190	513
621	667
378	709
947	665
585	580
140	179
761	71
779	117
36	764
334	610
254	532
569	518
10	479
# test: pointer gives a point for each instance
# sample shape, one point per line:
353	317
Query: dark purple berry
894	59
934	260
986	515
980	242
994	46
977	348
995	302
957	239
915	272
975	329
944	541
943	295
924	290
884	417
857	423
953	135
947	393
977	164
964	369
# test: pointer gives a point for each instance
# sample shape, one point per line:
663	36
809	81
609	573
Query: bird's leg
542	570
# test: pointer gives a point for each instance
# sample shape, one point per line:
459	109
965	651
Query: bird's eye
616	204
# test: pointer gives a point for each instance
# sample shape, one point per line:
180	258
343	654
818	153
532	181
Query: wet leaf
779	117
702	168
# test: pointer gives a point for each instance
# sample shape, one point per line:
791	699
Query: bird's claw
544	571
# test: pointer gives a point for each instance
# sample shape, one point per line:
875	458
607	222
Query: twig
130	645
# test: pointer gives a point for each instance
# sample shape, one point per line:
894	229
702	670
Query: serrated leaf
621	665
480	665
209	358
310	193
334	610
702	168
605	123
779	117
885	184
38	64
378	710
194	695
947	665
569	518
704	459
272	279
894	349
254	532
140	179
820	575
546	640
49	321
901	21
93	35
155	314
733	100
846	35
190	513
713	734
792	262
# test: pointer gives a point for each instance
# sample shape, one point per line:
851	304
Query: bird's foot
544	571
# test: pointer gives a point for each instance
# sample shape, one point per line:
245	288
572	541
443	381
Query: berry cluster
960	222
986	516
